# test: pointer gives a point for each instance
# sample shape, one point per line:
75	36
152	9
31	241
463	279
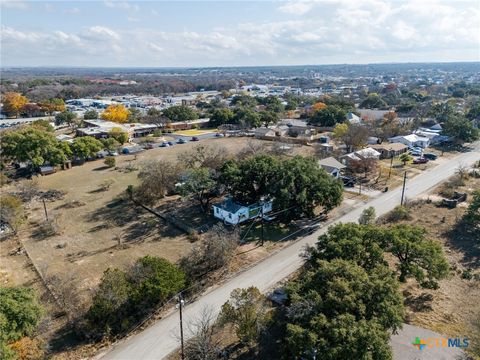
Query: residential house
359	156
332	166
373	140
233	213
372	114
389	150
353	118
264	133
101	129
411	140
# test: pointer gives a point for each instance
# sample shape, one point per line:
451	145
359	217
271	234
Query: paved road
160	339
403	348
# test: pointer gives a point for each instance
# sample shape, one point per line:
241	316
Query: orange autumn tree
116	113
319	106
13	103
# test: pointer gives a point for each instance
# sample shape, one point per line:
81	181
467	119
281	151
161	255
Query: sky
232	33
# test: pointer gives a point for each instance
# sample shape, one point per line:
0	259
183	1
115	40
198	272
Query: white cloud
124	5
343	31
8	34
403	31
14	4
296	7
101	32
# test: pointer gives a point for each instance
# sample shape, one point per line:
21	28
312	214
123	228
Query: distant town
133	196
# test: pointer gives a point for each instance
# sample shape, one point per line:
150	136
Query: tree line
297	185
37	145
345	302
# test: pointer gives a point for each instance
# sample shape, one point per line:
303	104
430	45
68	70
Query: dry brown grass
452	308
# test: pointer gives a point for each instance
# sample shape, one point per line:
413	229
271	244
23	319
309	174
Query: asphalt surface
159	340
403	349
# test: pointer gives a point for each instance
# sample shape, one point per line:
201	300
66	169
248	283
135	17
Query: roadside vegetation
111	245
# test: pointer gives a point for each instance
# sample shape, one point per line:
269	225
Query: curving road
159	340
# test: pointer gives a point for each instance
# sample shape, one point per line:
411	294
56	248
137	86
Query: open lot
100	228
453	308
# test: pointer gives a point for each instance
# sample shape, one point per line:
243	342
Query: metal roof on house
331	162
229	205
367	152
390	146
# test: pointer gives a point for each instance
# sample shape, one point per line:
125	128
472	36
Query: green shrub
123	297
19	313
154	280
110	161
400	212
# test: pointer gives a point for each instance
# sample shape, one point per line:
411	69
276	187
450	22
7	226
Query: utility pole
390	171
360	188
181	302
45	209
262	224
403	189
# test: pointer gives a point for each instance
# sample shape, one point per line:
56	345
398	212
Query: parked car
112	153
148	146
101	154
194	138
415	153
125	151
181	141
164	144
421	160
170	143
218	135
430	156
348	181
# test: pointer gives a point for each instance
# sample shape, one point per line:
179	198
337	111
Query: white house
233	213
360	155
411	140
353	119
331	166
368	153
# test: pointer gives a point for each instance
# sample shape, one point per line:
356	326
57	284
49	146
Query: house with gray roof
332	166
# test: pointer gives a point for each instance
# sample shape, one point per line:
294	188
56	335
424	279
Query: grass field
195	132
91	222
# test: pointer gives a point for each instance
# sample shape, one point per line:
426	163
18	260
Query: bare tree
355	137
202	155
28	189
215	251
462	171
64	290
365	165
157	177
204	345
253	147
280	148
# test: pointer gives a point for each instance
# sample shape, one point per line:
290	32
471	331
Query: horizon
206	34
238	66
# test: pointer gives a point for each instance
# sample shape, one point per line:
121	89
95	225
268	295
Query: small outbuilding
332	166
47	170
